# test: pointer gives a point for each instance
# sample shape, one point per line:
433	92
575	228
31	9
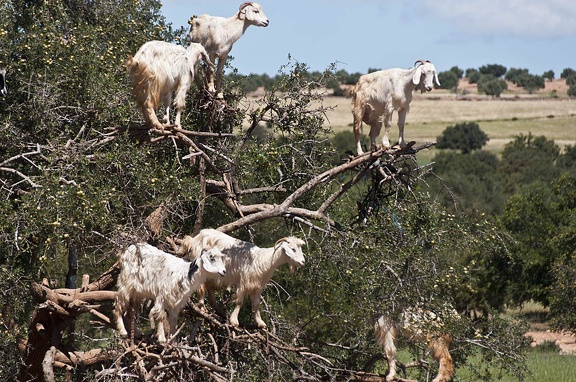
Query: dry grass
501	119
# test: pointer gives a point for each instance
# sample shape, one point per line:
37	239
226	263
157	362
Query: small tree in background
473	75
449	80
465	137
495	70
491	85
549	75
531	82
456	70
514	74
567	72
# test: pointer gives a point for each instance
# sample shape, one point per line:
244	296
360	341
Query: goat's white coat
377	94
157	70
412	325
149	273
248	267
218	34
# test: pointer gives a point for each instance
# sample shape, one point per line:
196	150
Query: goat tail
145	83
358	109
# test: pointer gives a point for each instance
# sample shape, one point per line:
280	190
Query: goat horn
245	4
422	62
278	242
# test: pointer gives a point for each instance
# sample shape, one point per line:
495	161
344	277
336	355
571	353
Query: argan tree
82	177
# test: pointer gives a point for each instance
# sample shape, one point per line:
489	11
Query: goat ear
417	75
207	262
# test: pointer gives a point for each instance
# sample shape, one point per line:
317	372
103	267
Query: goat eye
255	11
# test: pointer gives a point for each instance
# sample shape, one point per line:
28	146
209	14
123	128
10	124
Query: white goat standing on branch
249	267
157	70
218	34
149	273
379	93
412	325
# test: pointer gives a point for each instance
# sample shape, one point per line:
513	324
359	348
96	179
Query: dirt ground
565	340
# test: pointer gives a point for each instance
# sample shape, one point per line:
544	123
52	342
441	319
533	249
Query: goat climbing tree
213	346
210	349
80	174
294	182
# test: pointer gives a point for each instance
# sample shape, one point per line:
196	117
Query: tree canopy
82	177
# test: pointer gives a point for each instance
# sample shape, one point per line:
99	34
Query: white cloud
522	18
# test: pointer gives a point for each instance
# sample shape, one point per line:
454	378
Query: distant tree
527	160
567	72
473	76
334	85
513	74
372	70
464	137
549	75
567	160
449	80
572	91
530	82
541	221
571	80
491	85
563	293
456	70
470	71
493	69
472	179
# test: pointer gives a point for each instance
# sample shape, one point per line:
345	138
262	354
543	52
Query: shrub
465	137
491	85
493	69
449	80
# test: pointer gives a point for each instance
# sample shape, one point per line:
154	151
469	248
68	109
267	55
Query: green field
543	366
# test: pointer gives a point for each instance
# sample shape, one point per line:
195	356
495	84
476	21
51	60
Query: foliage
523	78
513	74
548	75
531	82
495	70
466	136
81	173
473	75
562	293
491	85
411	253
472	180
456	70
527	160
572	91
567	72
449	80
541	220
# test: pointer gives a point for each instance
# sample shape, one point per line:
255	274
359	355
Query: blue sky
539	35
